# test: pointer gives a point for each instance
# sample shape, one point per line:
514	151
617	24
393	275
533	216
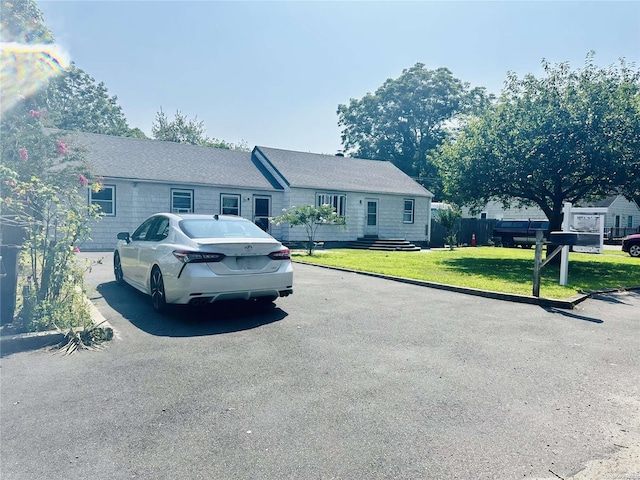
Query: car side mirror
124	236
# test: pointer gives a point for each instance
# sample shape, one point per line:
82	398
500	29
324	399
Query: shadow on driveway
617	297
573	315
184	321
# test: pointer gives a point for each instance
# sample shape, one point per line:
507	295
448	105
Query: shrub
44	191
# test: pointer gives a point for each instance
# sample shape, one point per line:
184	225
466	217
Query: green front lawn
508	270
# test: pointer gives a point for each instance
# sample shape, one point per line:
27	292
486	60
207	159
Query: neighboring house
495	211
141	177
622	216
437	206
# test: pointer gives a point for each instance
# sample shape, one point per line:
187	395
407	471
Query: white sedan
199	259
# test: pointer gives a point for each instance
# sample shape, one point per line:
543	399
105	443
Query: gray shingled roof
143	159
312	170
602	203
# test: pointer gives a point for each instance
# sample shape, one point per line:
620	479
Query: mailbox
563	238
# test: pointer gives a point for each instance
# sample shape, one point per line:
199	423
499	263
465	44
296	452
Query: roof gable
329	172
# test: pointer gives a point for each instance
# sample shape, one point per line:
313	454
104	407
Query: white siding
135	201
390	217
496	211
281	232
624	208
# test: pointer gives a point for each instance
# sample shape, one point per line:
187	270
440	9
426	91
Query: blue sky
273	73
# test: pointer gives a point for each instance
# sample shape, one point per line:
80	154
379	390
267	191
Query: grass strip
505	270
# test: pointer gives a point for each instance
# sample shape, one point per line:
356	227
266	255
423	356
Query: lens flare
26	68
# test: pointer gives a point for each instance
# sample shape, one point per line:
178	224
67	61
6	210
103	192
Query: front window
105	199
630	221
337	201
230	204
409	207
181	201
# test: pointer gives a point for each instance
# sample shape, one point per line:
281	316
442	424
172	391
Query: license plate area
249	263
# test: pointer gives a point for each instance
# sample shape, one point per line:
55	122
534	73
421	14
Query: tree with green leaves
71	99
407	118
570	136
43	199
74	101
448	218
43	194
21	21
188	130
311	218
180	130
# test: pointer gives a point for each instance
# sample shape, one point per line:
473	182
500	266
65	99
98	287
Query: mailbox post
563	240
537	266
564	259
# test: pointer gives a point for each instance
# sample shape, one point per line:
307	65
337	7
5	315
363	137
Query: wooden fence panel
465	228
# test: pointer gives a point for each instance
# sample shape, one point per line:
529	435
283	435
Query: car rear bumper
198	284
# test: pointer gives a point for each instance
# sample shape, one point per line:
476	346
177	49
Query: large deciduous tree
75	101
21	21
407	118
180	130
570	136
66	98
188	130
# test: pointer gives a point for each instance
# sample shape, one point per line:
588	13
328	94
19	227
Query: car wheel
158	300
634	250
117	269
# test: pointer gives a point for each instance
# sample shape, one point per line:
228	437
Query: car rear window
539	225
210	228
512	224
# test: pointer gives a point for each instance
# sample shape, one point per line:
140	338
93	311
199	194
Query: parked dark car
511	233
631	245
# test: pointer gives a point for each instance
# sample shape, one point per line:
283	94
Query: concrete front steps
389	244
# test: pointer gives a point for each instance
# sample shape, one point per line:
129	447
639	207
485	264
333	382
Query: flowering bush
62	148
44	186
311	218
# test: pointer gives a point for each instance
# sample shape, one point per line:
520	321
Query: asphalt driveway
352	377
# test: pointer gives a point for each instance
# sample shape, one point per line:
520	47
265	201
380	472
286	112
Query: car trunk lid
241	256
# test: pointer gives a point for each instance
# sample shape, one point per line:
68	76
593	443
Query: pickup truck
511	233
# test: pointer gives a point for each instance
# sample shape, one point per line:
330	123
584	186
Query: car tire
156	284
117	269
634	250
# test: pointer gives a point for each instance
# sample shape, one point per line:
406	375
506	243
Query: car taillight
197	257
281	255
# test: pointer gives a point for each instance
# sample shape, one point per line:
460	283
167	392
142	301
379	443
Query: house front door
261	211
371	217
